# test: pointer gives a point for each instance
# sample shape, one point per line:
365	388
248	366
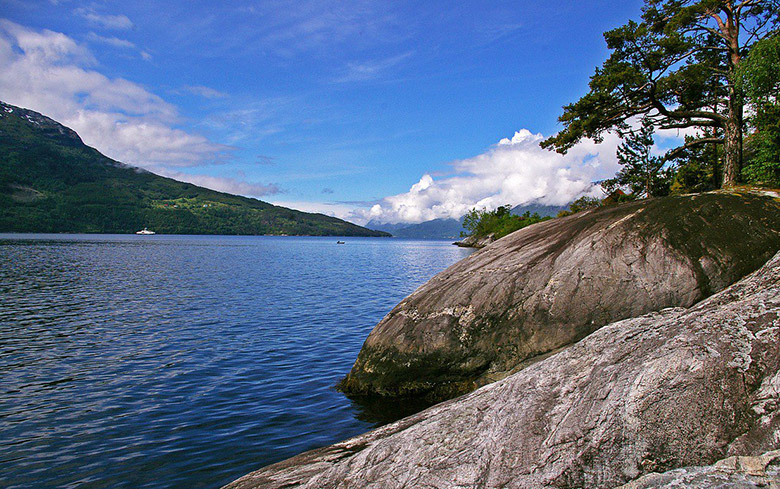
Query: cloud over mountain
51	73
514	171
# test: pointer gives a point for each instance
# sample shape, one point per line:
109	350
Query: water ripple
180	361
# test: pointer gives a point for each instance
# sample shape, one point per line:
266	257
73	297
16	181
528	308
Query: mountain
50	181
435	229
451	228
388	228
536	208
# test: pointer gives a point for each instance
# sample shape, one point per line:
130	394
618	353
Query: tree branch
683	114
685	125
690	144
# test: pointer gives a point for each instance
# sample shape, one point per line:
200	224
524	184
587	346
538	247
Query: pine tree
677	68
642	171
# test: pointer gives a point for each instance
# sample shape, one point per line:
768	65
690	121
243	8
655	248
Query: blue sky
392	111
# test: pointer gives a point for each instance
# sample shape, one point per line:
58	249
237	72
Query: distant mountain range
542	209
451	228
50	181
435	229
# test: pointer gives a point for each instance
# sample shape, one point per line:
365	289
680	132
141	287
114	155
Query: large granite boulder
553	283
670	389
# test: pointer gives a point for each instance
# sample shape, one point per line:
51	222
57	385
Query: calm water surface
186	361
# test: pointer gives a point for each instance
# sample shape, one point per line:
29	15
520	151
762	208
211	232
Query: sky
367	110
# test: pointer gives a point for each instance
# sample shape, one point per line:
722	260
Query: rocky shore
553	283
475	242
670	389
629	346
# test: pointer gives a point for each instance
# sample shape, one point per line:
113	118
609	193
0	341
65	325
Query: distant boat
144	231
339	242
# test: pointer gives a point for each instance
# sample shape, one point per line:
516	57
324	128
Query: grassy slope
51	182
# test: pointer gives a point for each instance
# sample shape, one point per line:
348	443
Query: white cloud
42	47
222	184
111	41
204	92
514	171
49	72
118	22
342	211
369	70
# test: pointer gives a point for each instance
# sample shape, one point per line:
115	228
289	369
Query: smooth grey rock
475	241
674	388
552	283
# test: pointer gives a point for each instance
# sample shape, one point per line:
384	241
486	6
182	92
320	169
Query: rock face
670	389
732	473
553	283
475	241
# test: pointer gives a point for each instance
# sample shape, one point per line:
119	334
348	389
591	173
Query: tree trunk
648	180
732	157
732	141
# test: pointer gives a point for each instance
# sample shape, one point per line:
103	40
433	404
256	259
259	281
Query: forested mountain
434	229
50	181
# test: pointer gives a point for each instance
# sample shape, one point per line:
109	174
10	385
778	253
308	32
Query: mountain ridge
451	228
50	181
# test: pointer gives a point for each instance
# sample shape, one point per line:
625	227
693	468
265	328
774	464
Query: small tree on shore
643	173
498	222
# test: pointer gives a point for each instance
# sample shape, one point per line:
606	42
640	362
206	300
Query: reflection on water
379	411
181	361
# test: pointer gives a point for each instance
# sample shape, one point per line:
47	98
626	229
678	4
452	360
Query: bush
498	222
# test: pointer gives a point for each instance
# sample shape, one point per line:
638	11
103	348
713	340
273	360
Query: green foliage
498	222
697	170
760	81
642	172
579	205
51	182
676	68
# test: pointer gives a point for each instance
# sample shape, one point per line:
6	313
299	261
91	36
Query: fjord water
186	361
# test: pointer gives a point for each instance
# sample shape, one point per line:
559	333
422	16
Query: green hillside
50	181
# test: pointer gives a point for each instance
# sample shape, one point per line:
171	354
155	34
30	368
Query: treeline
497	222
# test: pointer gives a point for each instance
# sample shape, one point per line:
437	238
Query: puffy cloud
514	171
49	72
41	47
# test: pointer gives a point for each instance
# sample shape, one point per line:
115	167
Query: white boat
144	231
